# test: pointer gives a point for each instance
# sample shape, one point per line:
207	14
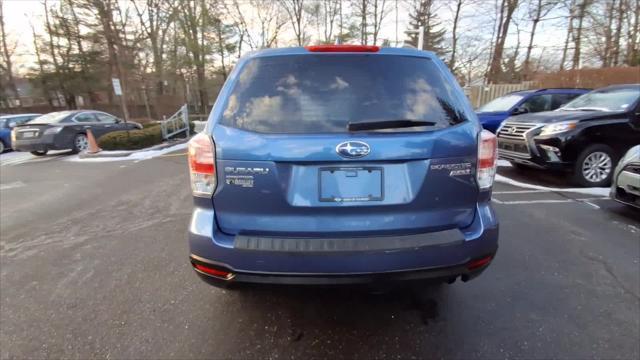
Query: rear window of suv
324	93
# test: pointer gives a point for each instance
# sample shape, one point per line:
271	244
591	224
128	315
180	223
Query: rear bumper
437	256
43	143
626	188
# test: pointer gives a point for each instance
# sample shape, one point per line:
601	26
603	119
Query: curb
125	153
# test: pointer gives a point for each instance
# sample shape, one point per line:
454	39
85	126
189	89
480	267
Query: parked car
341	164
7	122
493	113
586	137
626	178
66	130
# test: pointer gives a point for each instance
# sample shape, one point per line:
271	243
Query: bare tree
507	9
454	33
194	18
379	12
615	54
271	19
581	12
295	10
330	12
156	19
43	81
633	35
538	10
361	11
54	56
7	54
570	5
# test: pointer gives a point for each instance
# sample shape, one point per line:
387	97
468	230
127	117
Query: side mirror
519	110
118	121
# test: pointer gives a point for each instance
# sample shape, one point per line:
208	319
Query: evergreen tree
423	13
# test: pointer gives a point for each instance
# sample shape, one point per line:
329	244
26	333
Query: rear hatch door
320	145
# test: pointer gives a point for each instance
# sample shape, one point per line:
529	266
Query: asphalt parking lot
93	263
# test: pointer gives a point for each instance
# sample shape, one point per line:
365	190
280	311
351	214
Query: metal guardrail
176	124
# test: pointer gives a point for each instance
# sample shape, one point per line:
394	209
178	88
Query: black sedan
65	130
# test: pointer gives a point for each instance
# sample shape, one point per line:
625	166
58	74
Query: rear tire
2	147
80	143
594	166
39	153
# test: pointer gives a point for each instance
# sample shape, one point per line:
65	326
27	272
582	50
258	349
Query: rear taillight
202	165
487	157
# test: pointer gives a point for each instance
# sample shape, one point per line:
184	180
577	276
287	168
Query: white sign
116	86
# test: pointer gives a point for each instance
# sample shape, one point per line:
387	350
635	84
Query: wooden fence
482	94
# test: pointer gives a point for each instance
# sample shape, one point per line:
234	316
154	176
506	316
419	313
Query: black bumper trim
440	238
439	274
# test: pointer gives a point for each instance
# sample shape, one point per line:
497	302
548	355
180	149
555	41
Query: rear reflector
487	158
202	166
343	48
214	272
478	263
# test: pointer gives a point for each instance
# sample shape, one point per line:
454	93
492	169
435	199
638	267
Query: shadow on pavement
539	177
342	322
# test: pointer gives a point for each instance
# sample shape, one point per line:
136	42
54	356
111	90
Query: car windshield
605	100
503	103
51	118
4	124
332	93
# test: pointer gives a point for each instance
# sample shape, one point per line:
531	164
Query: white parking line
597	191
550	201
521	191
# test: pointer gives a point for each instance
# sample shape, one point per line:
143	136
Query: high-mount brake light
202	165
487	158
343	48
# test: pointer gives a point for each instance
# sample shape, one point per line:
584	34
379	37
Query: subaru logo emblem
353	149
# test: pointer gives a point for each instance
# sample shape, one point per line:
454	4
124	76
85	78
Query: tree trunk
534	25
7	57
454	36
83	62
606	52
582	8
568	38
633	58
43	81
495	71
616	42
54	57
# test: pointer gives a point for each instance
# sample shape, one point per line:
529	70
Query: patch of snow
597	191
15	184
137	156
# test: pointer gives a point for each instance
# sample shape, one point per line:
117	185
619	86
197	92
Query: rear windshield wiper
387	124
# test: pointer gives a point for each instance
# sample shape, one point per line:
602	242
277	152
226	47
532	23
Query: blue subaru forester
341	164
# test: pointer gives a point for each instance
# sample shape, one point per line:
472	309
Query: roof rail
562	88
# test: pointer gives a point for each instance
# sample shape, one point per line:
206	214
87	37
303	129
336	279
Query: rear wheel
1	147
39	153
594	166
80	143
